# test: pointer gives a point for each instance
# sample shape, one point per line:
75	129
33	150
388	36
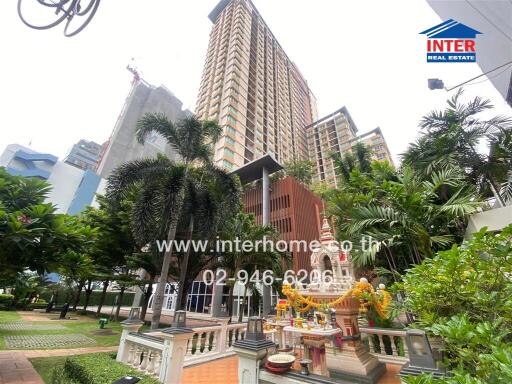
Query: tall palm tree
405	216
193	141
452	136
359	158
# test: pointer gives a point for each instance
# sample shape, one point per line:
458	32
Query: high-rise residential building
337	133
494	45
331	134
251	87
122	145
84	155
374	140
72	189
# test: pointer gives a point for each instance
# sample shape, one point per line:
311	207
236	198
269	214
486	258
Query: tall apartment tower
331	134
122	145
251	87
337	133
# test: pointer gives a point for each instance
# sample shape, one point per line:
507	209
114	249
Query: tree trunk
158	299
81	284
102	298
182	303
184	266
495	192
118	309
147	296
88	293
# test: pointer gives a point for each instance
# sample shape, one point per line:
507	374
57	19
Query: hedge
6	300
110	298
100	368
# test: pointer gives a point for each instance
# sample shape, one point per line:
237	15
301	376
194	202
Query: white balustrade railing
387	344
204	342
234	332
148	352
144	353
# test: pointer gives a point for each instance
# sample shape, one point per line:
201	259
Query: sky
365	55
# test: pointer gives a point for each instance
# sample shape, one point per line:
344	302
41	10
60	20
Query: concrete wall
493	219
123	145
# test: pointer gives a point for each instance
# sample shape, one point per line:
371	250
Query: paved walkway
16	369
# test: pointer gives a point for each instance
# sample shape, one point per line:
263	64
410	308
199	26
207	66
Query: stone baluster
158	362
394	350
138	356
144	359
381	344
150	367
406	351
371	343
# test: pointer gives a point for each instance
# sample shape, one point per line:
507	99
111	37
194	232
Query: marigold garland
380	301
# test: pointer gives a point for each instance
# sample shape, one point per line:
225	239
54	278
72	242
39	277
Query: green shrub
464	296
100	368
6	300
110	298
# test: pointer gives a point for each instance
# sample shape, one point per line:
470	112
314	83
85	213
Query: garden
455	286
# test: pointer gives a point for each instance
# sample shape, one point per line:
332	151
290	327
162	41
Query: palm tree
405	216
359	158
164	185
452	136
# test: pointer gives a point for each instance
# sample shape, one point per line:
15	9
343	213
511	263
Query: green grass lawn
45	366
85	326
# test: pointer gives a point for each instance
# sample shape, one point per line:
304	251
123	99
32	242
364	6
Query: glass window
229	140
229	152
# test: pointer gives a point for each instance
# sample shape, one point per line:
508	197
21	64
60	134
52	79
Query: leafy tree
463	295
32	235
113	244
398	217
300	170
452	136
358	158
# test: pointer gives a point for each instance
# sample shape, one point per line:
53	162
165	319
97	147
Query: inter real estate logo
451	42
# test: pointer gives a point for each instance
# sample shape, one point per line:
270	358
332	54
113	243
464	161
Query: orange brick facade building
294	211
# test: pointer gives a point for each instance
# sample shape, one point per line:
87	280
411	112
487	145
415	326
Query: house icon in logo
451	42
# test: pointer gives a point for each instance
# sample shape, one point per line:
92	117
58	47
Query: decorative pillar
267	300
175	348
173	357
130	325
251	351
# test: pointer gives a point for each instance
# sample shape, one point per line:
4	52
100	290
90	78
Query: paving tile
46	341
